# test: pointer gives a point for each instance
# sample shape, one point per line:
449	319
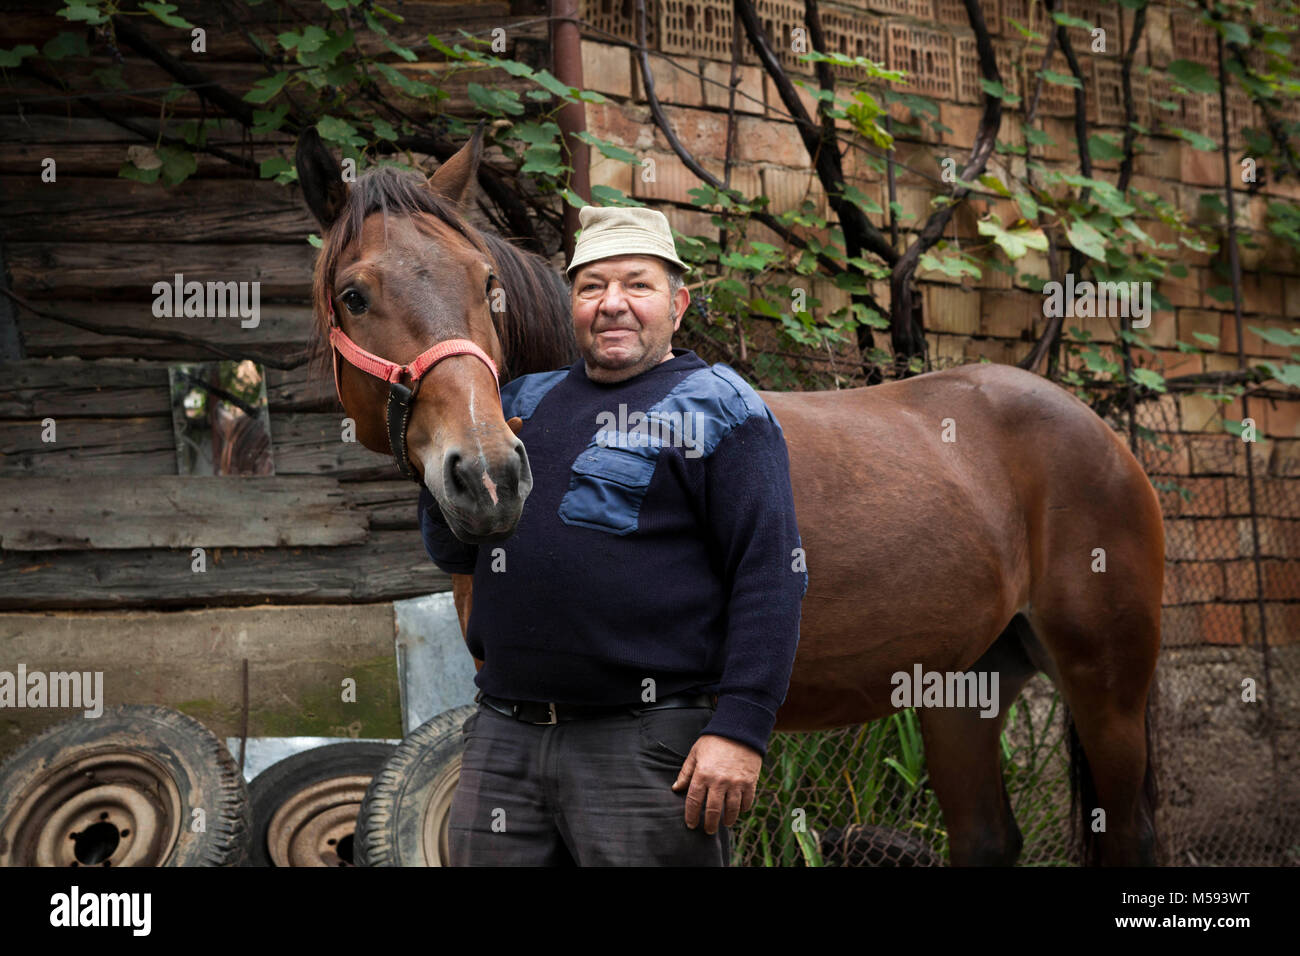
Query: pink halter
400	397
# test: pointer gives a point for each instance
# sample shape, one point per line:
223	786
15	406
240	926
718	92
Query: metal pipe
566	53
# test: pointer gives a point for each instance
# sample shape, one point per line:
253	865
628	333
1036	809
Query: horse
977	519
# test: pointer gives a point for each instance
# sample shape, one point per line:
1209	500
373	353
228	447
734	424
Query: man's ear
681	302
454	179
321	178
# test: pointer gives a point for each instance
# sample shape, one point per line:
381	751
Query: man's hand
723	775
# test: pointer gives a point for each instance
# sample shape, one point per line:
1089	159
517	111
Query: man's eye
355	301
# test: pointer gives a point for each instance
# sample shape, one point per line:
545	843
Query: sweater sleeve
448	552
751	518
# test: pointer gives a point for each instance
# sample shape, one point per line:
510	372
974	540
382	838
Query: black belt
536	712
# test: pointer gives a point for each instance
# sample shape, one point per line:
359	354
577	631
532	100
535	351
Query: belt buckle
554	720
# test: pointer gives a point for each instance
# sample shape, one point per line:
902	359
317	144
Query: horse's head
405	290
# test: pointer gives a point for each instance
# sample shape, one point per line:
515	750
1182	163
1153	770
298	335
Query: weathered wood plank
71	130
308	443
225	39
283	329
82	209
37	388
388	565
110	447
238	78
391	505
312	444
176	512
128	270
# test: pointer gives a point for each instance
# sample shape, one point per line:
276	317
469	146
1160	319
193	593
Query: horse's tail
1083	790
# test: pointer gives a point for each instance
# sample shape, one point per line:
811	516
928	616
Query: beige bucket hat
622	231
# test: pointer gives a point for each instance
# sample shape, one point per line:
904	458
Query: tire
122	790
863	845
403	818
305	806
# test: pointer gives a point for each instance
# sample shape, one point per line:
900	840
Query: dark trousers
590	792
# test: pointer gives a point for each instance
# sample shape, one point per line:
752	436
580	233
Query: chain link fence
1227	716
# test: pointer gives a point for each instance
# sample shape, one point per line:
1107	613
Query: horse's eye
355	301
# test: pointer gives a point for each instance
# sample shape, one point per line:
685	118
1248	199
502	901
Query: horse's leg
963	757
462	594
1107	693
1102	631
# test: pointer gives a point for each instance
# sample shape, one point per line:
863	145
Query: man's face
623	316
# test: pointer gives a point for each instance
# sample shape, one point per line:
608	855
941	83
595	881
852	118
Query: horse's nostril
455	483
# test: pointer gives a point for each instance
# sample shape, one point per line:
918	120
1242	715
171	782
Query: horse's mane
535	328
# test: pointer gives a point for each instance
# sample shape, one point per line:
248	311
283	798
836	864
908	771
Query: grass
876	774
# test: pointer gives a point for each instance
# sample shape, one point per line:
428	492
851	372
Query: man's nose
613	301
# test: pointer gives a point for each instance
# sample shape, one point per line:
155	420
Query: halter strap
401	398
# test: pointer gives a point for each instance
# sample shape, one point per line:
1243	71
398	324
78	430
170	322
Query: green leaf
383	129
536	134
265	89
1104	148
335	130
1278	336
1195	76
405	53
268	121
16	55
545	79
177	164
65	44
572	198
1086	239
80	12
274	167
998	91
133	172
1065	20
166	13
1211	340
1014	242
1036	137
1288	374
607	149
1028	205
1234	32
306	42
991	182
860	199
495	102
609	196
1151	379
545	159
1061	79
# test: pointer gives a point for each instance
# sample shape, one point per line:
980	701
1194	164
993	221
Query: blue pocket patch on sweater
606	489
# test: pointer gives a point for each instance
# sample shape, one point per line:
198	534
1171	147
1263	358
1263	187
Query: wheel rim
106	809
437	811
315	825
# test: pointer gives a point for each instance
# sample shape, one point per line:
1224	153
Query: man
638	630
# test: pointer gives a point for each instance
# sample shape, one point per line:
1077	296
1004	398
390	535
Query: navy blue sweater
645	552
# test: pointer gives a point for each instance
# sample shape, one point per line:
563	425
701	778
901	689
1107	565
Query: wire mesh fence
1228	717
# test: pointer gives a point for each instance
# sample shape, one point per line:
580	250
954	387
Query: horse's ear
454	179
321	179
